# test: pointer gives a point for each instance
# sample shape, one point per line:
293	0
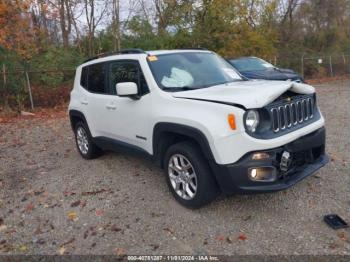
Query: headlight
252	120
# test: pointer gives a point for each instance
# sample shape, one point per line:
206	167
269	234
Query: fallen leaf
333	246
99	212
242	237
94	192
37	193
23	248
29	207
67	193
3	227
72	216
220	237
169	230
70	241
41	241
76	203
154	246
120	251
342	236
62	250
115	228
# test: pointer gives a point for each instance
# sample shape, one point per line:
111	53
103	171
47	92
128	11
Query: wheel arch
165	134
75	116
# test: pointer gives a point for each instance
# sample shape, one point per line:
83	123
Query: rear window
93	78
83	79
96	78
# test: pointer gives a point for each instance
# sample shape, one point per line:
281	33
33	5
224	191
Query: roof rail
192	48
121	52
132	51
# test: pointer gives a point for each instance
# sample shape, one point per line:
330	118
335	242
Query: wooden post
302	65
29	90
330	65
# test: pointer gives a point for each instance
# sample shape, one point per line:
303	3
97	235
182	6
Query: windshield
250	64
191	70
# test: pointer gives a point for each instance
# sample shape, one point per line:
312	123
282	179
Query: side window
83	79
96	78
127	71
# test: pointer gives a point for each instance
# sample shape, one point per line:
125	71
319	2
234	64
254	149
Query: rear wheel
188	175
84	142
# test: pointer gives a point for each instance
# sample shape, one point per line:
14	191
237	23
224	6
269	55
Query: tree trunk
116	25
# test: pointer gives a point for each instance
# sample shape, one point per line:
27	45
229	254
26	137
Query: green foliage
59	64
270	29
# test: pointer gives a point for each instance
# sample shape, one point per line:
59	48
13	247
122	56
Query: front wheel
189	176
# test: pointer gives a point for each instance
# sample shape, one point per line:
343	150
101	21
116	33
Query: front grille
287	115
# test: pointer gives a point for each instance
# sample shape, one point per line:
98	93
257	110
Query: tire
191	162
84	142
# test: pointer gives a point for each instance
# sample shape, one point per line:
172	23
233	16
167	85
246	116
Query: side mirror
128	89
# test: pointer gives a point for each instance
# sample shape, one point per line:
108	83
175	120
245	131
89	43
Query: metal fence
22	88
315	66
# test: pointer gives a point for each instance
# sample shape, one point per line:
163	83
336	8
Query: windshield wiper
182	88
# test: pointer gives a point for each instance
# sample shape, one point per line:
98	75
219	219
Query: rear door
96	99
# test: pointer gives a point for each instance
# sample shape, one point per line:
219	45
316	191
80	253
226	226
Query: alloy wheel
182	176
82	140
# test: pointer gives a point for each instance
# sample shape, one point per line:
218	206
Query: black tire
93	150
207	188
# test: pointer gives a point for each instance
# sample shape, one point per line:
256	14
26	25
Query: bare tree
162	22
65	21
93	19
116	25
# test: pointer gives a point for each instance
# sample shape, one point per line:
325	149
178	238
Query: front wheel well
168	139
167	134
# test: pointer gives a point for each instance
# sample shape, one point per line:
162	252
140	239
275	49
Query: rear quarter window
93	78
83	78
96	78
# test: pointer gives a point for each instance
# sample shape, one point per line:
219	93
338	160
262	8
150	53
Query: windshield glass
250	64
191	70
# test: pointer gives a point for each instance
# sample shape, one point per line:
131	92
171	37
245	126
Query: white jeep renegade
193	115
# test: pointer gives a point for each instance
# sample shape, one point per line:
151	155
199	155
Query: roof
136	53
173	51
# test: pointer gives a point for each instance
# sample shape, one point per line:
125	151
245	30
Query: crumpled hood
249	94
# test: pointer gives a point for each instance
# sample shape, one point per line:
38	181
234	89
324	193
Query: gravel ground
54	202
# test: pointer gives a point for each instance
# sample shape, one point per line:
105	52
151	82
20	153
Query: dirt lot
54	202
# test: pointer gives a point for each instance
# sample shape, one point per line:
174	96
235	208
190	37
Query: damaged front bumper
277	169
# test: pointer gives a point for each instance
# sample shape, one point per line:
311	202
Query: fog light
260	156
262	174
253	173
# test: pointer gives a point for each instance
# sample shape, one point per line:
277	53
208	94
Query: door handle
113	107
84	102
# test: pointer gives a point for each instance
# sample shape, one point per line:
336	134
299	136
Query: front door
129	118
